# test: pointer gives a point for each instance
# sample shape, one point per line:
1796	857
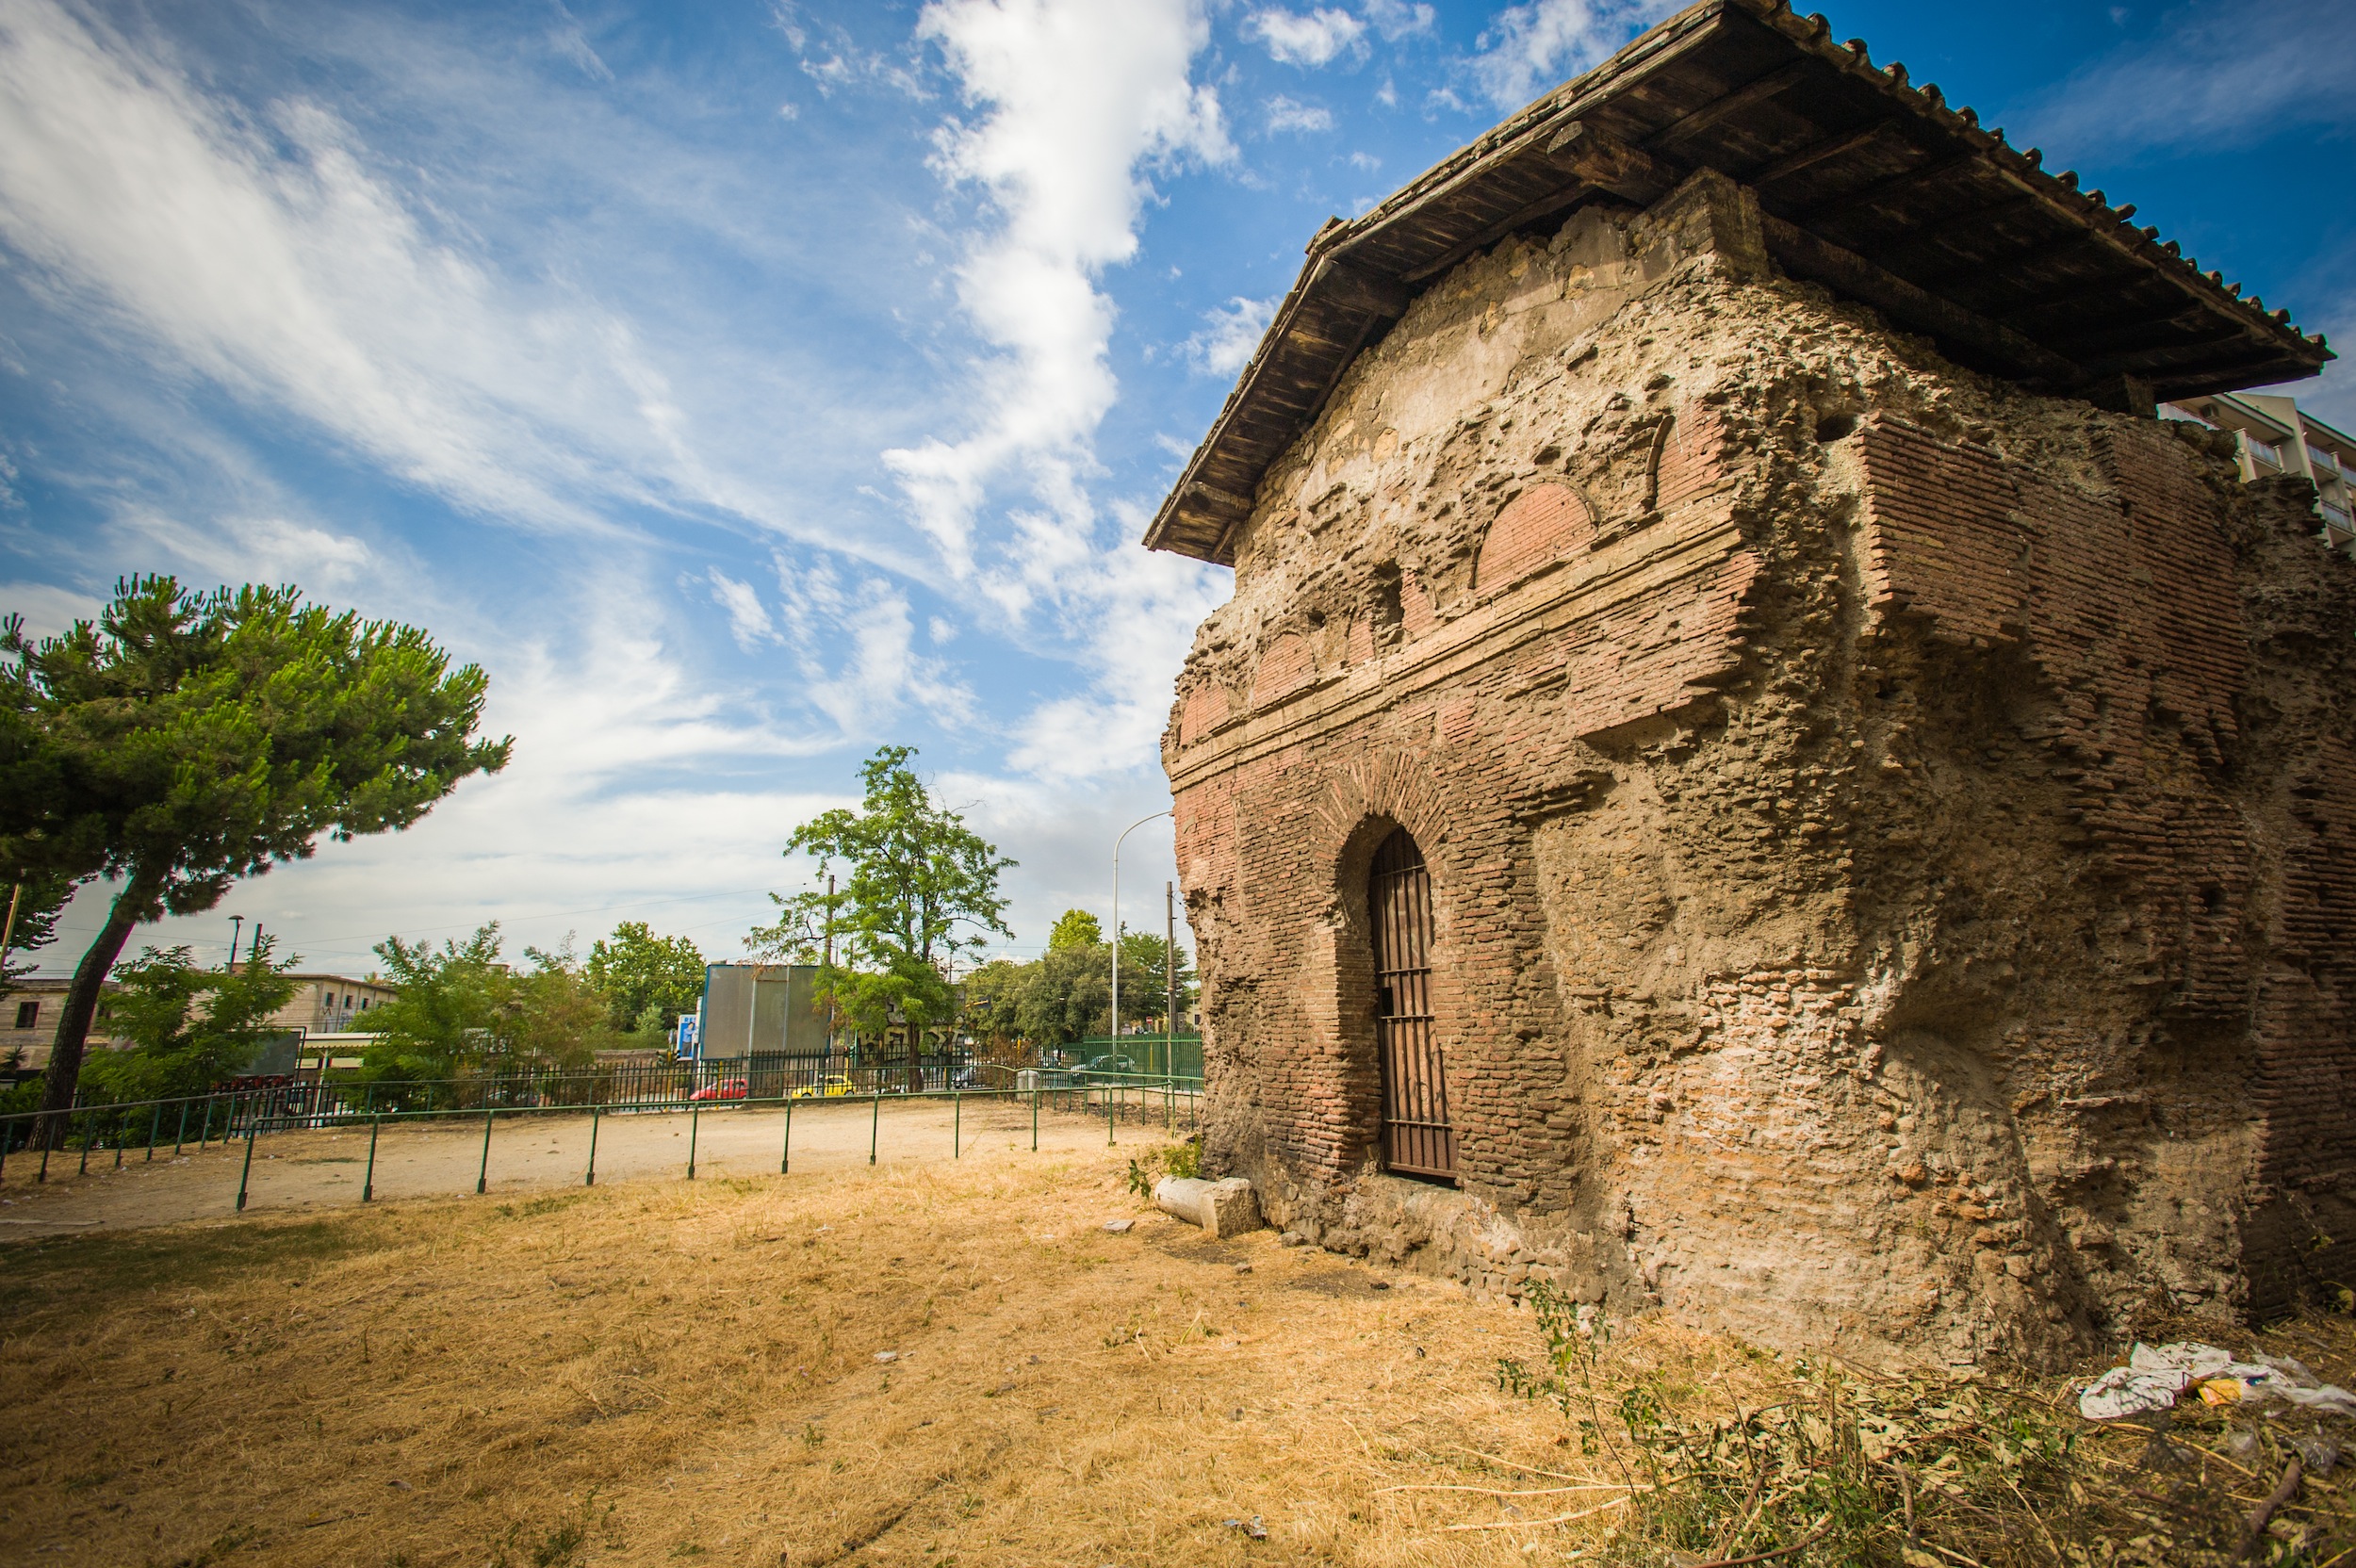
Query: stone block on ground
1223	1208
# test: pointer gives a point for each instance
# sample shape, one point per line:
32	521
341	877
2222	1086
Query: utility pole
826	1065
1169	954
1116	843
7	933
236	928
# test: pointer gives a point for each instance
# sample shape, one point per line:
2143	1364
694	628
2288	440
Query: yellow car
825	1088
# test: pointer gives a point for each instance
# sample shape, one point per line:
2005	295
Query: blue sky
746	386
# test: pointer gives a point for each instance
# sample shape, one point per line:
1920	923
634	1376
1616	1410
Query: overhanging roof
1865	182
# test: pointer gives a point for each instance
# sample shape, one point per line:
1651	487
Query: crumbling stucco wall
1891	832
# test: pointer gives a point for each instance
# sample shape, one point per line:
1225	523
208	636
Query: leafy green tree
39	898
1144	980
554	1014
634	971
186	1028
1067	995
184	739
917	886
1074	928
447	1013
460	1010
992	995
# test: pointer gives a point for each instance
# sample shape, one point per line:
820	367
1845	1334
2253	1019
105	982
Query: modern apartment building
2272	434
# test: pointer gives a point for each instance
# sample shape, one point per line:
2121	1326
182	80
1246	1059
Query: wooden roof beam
1912	308
1606	162
1804	158
1625	170
1498	230
1834	207
1755	91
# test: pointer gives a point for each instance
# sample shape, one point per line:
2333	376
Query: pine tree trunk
130	906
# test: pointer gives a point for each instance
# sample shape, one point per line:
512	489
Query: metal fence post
694	1114
182	1135
785	1155
1109	1140
247	1174
86	1135
590	1179
957	1126
155	1125
482	1175
1034	1115
367	1183
876	1126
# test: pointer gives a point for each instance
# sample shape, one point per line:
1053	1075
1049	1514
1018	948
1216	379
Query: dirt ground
655	1372
539	1151
934	1361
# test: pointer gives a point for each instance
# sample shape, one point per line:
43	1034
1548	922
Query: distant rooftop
1865	182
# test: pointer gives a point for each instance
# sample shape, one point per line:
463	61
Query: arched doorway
1416	1138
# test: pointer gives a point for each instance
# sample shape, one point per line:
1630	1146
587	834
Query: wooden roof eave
1184	518
1359	276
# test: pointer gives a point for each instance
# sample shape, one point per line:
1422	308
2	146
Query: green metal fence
1150	1055
117	1131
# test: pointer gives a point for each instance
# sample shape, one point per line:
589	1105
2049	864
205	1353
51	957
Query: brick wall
1889	834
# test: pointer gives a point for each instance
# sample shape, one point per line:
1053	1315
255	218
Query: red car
727	1088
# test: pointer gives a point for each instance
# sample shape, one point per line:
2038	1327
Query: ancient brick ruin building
1745	770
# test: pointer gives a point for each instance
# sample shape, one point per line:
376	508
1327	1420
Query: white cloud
631	794
47	610
1230	333
1074	98
267	257
1311	38
1533	47
748	621
2331	396
1285	114
854	643
2208	80
257	549
569	40
1076	101
1396	18
1143	609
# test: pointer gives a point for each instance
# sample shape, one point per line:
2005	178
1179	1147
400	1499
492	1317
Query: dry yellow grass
665	1373
661	1373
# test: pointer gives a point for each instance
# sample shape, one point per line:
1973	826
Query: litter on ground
2155	1375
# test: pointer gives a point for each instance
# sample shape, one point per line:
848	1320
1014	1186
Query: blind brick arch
1284	668
1206	708
1540	525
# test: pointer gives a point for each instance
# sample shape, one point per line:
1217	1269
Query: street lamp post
1117	844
